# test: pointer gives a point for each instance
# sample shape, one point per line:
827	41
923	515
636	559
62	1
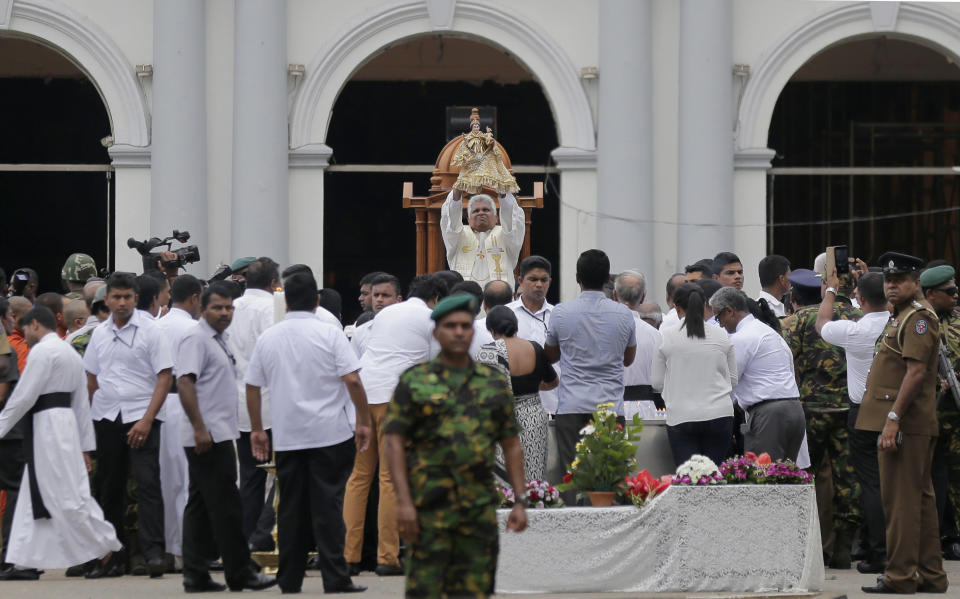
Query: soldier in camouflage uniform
821	371
940	290
76	270
442	426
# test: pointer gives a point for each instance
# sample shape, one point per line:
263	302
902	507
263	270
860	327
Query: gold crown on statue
474	115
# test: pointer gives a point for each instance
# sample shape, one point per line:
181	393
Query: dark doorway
53	116
402	122
874	103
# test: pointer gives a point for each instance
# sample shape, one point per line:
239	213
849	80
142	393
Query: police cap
804	277
894	263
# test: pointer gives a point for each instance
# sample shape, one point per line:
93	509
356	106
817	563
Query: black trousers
115	461
863	457
706	437
11	473
312	483
211	520
258	513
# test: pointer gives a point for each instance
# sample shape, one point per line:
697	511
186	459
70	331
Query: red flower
750	456
764	459
567	477
533	496
619	427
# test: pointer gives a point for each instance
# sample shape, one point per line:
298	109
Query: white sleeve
80	402
25	394
451	225
837	332
658	369
732	366
513	225
256	374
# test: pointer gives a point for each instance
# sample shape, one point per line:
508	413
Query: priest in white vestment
66	526
487	249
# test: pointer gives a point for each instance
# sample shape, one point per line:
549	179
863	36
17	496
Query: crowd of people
172	393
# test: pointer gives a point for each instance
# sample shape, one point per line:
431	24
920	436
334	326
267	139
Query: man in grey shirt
593	338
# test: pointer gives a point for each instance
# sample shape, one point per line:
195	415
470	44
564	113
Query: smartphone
838	256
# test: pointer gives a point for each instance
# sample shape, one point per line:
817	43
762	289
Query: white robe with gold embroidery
488	256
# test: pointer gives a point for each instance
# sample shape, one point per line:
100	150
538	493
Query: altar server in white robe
56	522
185	294
487	249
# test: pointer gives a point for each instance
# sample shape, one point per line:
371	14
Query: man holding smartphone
900	403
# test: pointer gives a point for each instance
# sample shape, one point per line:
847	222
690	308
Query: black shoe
871	567
254	581
355	568
289	591
111	569
20	574
388	570
80	570
206	585
138	568
263	543
156	567
881	587
347	587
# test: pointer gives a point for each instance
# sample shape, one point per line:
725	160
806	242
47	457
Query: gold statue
481	162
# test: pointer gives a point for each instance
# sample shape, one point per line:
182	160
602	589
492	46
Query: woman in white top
695	369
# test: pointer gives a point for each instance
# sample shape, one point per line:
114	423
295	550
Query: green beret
938	275
461	302
241	263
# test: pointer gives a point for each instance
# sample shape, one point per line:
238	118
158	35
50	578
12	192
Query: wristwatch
830	290
891	415
523	500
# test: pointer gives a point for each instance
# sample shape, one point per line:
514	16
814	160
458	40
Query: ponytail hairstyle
691	300
762	311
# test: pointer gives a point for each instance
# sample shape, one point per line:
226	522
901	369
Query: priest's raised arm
487	248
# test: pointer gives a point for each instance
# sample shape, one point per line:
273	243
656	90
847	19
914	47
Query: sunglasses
947	290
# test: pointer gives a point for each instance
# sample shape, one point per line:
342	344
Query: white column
260	208
750	211
625	148
705	203
131	178
307	166
578	222
178	182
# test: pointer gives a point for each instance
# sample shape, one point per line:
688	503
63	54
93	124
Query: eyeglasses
947	290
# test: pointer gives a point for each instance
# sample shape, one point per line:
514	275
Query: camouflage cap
78	267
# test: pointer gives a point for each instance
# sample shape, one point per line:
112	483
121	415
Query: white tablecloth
739	538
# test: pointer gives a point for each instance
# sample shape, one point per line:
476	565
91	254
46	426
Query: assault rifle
946	371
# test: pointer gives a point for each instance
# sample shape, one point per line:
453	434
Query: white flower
696	467
588	430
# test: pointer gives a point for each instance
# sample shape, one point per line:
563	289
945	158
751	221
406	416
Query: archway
55	174
865	134
388	125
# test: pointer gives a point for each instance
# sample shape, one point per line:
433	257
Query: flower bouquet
698	470
641	488
541	494
604	455
760	469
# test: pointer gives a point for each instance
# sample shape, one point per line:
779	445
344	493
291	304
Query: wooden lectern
431	253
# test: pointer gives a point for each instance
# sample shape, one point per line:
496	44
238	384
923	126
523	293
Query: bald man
75	315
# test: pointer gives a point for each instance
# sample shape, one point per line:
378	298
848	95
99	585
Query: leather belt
766	401
47	401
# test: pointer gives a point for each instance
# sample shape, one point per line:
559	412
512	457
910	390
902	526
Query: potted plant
604	456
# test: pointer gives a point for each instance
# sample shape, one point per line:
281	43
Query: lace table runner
740	538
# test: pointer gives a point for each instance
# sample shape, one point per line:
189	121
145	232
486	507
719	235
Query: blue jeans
709	438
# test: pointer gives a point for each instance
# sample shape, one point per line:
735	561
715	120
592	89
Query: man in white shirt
312	372
401	337
533	311
630	290
671	318
253	314
322	313
859	340
206	378
766	387
384	291
774	271
129	373
174	478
